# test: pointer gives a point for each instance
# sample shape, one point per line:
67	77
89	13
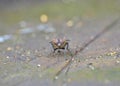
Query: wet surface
27	58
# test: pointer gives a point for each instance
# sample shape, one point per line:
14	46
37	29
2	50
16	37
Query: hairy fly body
58	44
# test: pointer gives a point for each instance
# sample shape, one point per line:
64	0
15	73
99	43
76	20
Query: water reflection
46	28
4	38
26	29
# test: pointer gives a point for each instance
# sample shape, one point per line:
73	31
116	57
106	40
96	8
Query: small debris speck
111	53
99	56
5	63
28	53
7	57
22	55
90	64
91	67
9	49
38	65
117	61
86	60
56	77
70	23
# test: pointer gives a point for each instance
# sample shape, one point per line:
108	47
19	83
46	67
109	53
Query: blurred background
27	26
13	11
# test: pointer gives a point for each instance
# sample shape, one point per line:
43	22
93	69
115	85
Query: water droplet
50	30
45	28
41	27
5	37
2	39
26	30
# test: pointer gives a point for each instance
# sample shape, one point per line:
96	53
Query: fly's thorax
59	43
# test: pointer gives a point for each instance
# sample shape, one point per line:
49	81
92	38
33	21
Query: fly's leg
54	50
67	46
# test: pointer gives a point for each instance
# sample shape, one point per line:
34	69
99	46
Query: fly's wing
54	45
63	45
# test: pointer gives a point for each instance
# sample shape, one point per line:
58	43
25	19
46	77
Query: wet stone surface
27	58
